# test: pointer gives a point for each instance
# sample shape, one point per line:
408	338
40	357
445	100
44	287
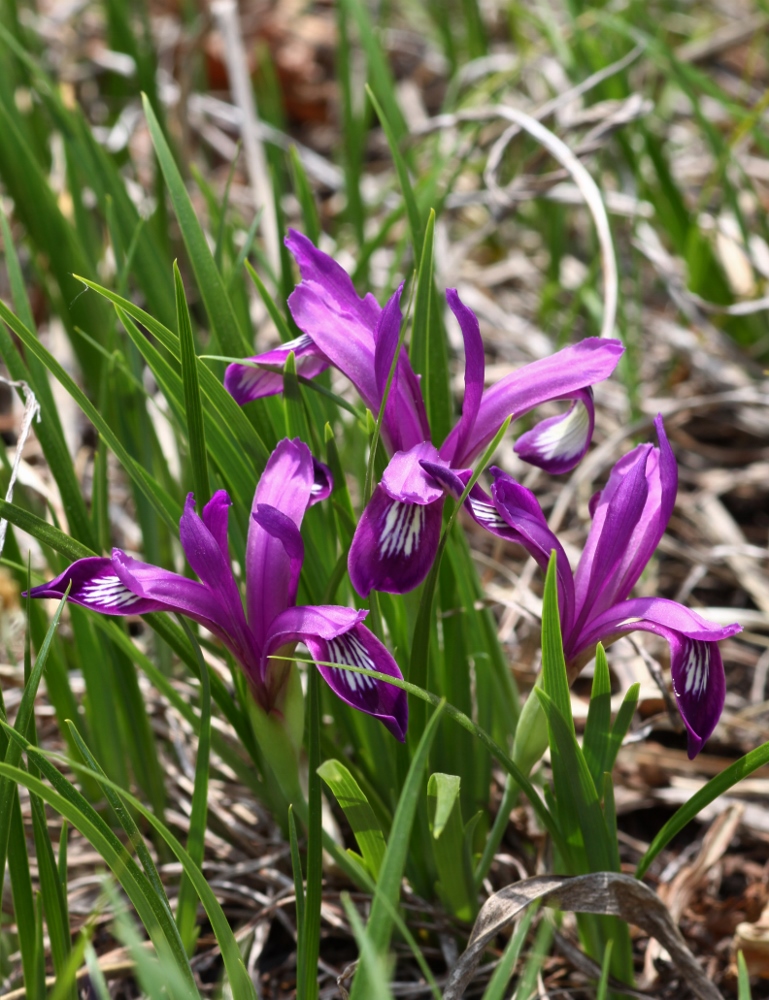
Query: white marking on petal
567	437
487	513
697	667
348	650
297	344
402	527
109	591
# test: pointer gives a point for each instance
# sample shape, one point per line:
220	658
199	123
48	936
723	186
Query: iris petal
394	544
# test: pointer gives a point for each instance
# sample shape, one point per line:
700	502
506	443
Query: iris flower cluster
397	536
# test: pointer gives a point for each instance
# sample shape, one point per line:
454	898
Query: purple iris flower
271	623
629	518
397	537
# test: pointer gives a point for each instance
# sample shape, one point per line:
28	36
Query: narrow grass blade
555	681
296	867
380	924
498	983
622	724
69	803
192	406
361	817
703	797
220	312
378	963
48	430
304	195
378	69
52	895
311	926
187	906
124	817
21	724
412	209
596	741
154	493
231	415
743	978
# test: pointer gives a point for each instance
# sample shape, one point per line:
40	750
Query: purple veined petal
696	667
336	635
394	544
558	444
475	368
279	526
247	382
405	418
318	268
96	585
452	481
322	483
204	550
662	480
558	377
523	522
179	594
286	485
405	478
618	516
216	517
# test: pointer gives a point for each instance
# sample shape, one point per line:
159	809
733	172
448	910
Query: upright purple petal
96	585
264	376
560	376
336	635
695	661
629	519
205	553
216	517
286	485
559	443
474	373
405	418
617	517
394	544
317	267
279	526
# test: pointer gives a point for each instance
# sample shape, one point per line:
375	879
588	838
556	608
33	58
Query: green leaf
48	430
24	715
579	810
311	925
305	197
743	978
703	797
412	209
361	817
622	724
450	847
224	405
296	867
555	681
378	69
596	741
192	406
428	353
220	312
70	804
504	970
380	923
154	493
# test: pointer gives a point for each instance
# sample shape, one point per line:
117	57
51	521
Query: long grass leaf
192	407
379	927
218	306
